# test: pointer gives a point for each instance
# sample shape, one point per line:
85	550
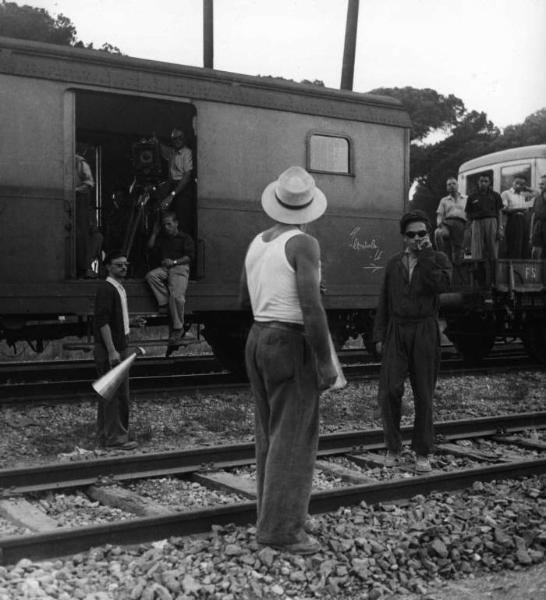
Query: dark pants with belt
283	374
113	414
410	347
517	236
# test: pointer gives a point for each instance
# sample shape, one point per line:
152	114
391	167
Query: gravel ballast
493	535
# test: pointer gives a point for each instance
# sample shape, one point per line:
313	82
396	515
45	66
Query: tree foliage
31	23
428	109
469	134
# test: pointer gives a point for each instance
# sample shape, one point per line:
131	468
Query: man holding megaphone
111	331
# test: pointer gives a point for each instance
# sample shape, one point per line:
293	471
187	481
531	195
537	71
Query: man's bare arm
303	253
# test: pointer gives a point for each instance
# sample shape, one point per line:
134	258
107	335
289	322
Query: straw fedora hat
294	198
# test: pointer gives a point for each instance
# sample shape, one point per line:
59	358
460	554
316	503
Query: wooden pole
348	68
208	34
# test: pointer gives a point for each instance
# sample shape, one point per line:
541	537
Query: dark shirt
539	206
412	300
483	205
108	311
175	246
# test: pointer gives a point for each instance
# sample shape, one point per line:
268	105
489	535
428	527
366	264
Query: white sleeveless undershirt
271	280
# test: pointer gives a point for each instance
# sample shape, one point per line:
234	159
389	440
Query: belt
280	325
518	213
455	219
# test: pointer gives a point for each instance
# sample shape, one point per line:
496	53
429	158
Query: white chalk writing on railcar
366	246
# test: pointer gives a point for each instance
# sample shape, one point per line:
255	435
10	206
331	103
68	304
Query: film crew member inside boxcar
111	332
88	237
180	159
169	281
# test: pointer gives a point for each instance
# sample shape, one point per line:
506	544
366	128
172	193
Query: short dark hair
414	216
169	214
112	255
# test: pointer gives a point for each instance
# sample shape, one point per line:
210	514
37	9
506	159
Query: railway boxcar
244	131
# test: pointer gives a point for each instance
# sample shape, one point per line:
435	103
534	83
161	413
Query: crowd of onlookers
507	225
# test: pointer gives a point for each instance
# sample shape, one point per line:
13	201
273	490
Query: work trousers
169	288
484	239
112	414
517	236
449	238
410	347
88	237
283	374
538	241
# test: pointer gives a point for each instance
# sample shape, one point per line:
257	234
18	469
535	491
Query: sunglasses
421	233
120	265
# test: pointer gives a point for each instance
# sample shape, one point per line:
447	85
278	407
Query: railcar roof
88	67
523	152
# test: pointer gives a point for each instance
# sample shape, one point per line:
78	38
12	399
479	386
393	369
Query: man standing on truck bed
287	357
484	211
538	222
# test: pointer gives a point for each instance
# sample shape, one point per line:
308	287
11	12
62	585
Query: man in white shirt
179	199
516	203
288	358
451	223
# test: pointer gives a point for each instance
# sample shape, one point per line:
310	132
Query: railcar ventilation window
328	154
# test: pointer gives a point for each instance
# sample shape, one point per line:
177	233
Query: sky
489	53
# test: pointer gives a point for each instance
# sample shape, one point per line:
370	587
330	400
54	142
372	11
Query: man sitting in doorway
169	281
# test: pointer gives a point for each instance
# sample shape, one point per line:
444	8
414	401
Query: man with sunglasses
111	330
407	336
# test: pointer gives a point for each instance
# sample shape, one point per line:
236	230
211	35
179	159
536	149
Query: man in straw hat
407	336
287	357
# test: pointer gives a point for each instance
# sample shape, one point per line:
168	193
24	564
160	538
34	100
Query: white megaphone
107	385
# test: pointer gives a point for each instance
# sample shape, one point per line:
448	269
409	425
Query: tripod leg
134	222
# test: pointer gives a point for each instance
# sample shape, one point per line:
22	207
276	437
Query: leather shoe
305	547
123	446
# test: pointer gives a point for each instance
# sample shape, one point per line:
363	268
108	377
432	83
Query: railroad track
152	376
482	449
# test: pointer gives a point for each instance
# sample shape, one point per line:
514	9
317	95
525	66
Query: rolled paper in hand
340	381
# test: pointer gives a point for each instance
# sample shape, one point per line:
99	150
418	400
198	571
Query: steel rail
80	390
65	541
53	476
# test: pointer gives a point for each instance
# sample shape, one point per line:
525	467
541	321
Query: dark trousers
88	237
113	414
182	206
517	236
450	239
282	370
410	347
